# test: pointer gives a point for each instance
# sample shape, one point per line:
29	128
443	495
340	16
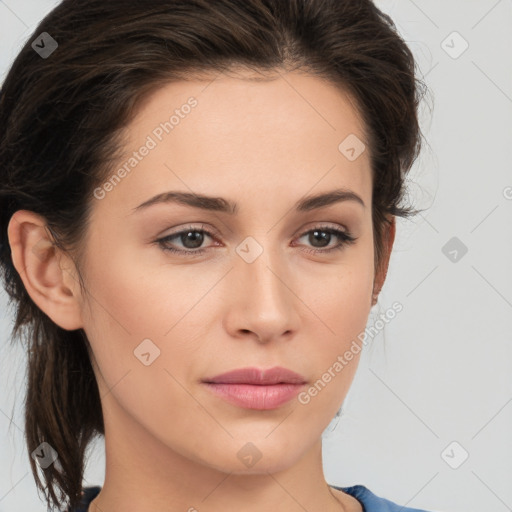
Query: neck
142	473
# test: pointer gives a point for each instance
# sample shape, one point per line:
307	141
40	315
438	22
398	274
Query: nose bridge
261	270
259	262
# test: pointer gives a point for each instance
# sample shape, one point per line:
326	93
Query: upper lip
256	376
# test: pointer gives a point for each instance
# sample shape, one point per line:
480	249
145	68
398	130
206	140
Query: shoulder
88	494
369	501
372	502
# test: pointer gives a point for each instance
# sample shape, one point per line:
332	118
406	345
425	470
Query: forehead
275	99
215	134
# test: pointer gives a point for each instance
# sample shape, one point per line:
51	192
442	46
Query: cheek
138	309
341	304
118	316
130	316
342	296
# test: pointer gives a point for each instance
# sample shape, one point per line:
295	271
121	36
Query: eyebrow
219	204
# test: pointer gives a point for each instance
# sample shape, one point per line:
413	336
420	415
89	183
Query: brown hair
61	120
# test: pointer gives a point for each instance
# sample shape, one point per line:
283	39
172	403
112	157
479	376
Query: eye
193	237
318	234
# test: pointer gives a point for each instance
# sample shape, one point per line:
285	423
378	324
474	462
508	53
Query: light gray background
441	371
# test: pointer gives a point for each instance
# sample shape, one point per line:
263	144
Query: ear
380	275
48	274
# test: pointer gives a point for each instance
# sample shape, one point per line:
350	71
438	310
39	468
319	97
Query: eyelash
345	237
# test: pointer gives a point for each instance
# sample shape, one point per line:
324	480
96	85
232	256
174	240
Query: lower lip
253	396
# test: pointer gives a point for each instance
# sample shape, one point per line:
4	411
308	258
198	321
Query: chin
254	458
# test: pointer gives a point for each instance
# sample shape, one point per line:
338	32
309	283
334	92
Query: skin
170	443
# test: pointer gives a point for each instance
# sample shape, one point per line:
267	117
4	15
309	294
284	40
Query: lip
255	376
253	388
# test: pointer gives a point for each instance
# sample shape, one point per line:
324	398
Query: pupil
325	236
197	242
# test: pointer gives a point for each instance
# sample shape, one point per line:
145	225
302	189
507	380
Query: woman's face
161	322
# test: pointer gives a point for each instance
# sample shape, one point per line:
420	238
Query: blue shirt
369	501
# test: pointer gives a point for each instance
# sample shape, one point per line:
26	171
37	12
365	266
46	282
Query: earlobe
45	271
387	246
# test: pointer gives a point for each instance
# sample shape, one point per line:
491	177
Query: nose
262	302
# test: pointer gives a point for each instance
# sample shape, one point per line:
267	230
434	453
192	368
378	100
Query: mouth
252	388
